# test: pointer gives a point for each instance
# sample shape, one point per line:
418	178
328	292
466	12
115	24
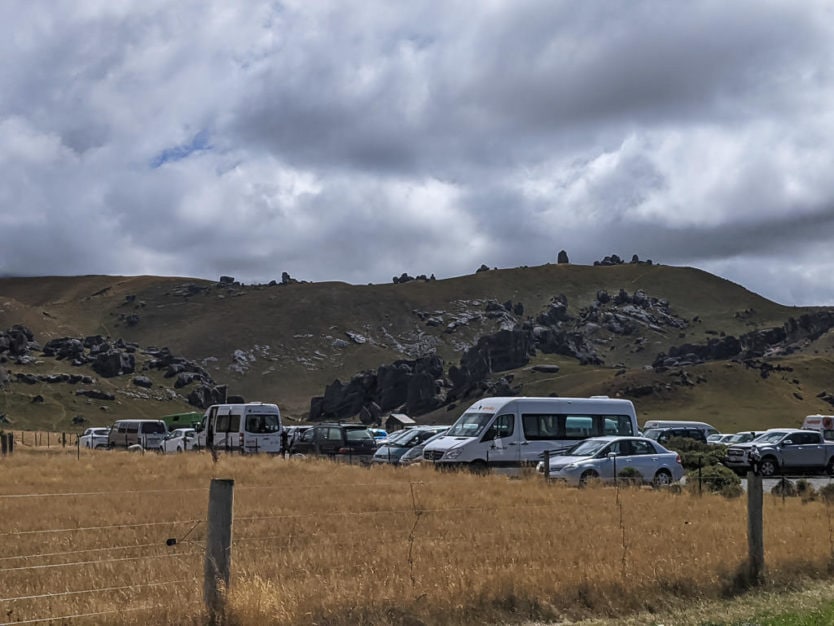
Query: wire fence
80	554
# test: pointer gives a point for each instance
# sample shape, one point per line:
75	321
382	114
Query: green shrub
805	490
784	488
716	479
696	454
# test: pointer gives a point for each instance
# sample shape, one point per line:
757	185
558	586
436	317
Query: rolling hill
572	330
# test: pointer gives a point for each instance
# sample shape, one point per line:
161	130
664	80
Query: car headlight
452	454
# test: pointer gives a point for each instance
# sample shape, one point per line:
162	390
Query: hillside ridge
572	330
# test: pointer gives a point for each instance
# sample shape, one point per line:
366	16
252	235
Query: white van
147	433
248	428
821	423
508	432
707	428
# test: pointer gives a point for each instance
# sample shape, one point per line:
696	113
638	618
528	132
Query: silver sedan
603	458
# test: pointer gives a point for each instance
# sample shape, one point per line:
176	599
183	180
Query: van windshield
470	424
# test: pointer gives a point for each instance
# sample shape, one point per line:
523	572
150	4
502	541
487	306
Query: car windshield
469	424
589	447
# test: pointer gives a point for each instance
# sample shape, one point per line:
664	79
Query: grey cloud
356	142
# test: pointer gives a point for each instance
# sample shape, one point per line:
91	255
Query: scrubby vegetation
322	543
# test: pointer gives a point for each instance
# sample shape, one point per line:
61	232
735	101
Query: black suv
663	435
352	443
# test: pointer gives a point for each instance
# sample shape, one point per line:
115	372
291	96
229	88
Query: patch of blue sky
199	143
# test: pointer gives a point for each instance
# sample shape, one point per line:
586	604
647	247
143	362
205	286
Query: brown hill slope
285	343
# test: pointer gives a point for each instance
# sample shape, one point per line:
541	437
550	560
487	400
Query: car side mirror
787	442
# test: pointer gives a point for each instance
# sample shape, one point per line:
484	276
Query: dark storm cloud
357	141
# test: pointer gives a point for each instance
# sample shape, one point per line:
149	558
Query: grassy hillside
285	343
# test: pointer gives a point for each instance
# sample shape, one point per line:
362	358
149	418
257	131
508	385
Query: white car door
501	439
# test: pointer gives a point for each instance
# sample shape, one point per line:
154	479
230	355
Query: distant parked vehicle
663	435
249	428
94	438
146	433
603	458
352	443
720	439
393	451
415	454
178	440
745	436
707	428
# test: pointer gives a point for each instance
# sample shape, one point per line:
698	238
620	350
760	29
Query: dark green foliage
716	479
696	454
784	488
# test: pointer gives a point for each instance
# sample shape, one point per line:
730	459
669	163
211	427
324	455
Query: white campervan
507	432
249	428
822	423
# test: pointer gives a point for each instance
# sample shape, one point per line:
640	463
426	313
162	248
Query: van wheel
588	478
829	469
179	450
767	466
662	479
478	467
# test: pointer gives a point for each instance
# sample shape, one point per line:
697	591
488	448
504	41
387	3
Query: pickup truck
785	450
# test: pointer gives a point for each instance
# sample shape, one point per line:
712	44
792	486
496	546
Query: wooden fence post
755	529
218	560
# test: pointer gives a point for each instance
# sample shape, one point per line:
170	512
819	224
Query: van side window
228	423
617	425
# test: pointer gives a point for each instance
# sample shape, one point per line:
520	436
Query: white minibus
510	432
250	428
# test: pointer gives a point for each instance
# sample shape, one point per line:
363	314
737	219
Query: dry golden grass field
85	540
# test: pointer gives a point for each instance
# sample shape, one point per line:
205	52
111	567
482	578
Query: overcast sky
355	141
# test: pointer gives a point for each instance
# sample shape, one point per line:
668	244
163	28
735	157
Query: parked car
294	434
415	454
745	436
602	458
379	434
94	438
393	451
146	433
352	443
663	435
178	440
720	439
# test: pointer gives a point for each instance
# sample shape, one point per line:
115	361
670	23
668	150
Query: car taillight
678	459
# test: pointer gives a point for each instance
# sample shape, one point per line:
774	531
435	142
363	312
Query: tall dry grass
322	543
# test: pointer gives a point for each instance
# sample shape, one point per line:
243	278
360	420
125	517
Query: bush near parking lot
714	479
696	454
